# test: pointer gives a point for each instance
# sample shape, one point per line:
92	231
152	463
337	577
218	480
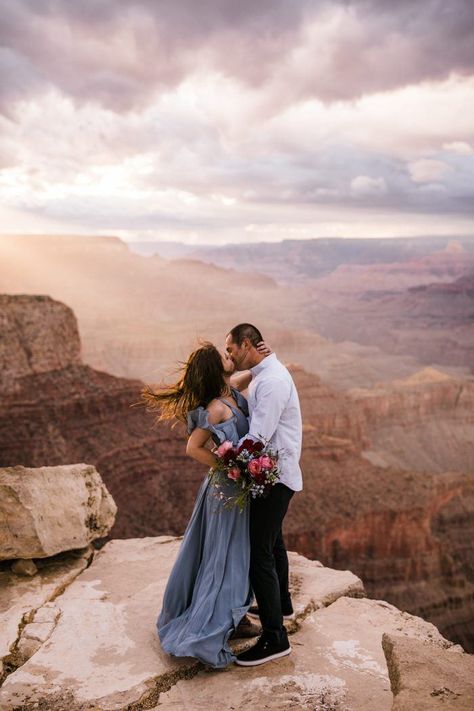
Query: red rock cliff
37	334
406	532
55	410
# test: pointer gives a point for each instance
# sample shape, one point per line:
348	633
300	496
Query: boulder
46	510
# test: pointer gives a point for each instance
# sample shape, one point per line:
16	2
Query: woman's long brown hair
202	380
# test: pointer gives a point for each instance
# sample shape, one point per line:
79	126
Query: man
275	417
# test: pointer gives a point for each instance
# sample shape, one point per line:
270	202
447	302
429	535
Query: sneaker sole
265	659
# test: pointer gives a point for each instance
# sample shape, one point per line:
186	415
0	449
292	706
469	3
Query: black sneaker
262	652
287	611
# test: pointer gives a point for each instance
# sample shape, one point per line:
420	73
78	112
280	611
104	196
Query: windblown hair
245	330
202	380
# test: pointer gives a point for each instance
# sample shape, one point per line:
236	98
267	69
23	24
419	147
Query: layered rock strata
38	334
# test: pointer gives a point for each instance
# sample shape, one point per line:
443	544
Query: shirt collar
265	363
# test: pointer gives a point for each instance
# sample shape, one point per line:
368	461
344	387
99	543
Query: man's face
238	354
228	363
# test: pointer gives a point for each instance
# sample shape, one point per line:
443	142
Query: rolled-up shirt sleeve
271	397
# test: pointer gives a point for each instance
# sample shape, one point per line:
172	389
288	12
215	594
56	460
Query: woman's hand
264	348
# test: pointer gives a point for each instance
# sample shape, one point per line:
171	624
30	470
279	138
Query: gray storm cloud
120	54
185	115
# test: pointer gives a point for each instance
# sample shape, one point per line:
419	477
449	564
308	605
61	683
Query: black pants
269	560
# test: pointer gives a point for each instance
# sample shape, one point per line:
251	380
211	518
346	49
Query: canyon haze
380	347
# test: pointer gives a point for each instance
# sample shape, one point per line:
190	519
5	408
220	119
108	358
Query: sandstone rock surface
46	510
427	677
337	663
95	645
22	597
103	651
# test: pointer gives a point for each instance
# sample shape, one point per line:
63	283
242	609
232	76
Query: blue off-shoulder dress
208	591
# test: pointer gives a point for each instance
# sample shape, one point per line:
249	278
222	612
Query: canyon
153	311
407	297
69	412
373	500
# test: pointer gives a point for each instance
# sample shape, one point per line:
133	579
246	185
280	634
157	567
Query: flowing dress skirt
208	591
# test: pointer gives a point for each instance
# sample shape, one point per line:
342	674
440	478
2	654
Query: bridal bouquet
252	465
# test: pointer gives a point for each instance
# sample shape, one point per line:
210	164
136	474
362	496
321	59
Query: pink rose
234	473
223	448
255	467
266	462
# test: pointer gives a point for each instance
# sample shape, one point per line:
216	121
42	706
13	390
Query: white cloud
194	164
428	170
364	185
460	147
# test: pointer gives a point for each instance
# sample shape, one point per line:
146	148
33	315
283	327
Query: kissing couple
228	557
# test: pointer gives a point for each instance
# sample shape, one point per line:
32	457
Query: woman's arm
196	447
241	380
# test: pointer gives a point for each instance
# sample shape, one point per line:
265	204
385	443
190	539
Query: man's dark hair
245	330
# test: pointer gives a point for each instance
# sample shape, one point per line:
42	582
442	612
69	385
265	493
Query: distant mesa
454	247
427	375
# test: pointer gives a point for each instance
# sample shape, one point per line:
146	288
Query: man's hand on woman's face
264	348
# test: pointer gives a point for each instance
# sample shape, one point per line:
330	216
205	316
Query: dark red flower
229	455
252	446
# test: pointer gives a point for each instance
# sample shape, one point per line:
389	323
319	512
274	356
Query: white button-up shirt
275	416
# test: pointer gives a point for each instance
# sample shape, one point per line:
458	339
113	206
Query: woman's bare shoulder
216	410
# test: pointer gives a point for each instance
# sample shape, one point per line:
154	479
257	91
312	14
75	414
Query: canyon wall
37	334
54	409
389	491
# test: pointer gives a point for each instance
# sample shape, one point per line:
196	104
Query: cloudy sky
219	120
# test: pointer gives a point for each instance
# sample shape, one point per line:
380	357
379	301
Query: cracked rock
24	600
104	652
337	664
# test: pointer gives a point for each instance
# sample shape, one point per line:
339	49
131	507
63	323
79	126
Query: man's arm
271	397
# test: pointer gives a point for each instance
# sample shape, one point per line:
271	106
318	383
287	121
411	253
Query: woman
208	591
